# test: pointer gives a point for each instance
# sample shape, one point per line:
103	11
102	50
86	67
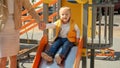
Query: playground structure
94	33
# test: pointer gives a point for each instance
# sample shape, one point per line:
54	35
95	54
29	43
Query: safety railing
101	36
101	29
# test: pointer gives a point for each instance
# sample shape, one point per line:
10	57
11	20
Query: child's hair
66	8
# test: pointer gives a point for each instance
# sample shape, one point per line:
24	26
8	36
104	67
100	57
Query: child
67	33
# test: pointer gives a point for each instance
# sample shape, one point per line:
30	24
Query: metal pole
92	33
92	58
85	25
45	15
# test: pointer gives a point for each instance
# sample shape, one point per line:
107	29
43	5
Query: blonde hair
65	8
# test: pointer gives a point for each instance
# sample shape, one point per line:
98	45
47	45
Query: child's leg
49	54
64	52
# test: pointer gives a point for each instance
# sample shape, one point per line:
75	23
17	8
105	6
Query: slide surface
68	63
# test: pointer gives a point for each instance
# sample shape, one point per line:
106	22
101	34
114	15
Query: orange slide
78	54
42	44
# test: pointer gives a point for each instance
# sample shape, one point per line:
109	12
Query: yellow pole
89	18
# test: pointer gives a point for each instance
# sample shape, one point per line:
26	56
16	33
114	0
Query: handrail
29	18
82	1
78	54
24	18
28	29
41	46
35	5
49	1
53	2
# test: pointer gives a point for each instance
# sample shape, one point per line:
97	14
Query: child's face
64	15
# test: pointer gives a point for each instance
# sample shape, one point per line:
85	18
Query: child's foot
58	59
46	57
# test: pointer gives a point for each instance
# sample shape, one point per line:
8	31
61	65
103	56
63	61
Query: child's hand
42	26
77	40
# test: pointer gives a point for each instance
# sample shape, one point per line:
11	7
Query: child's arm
50	25
77	40
43	26
77	33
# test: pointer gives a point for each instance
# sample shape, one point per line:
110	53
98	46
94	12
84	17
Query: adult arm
31	10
